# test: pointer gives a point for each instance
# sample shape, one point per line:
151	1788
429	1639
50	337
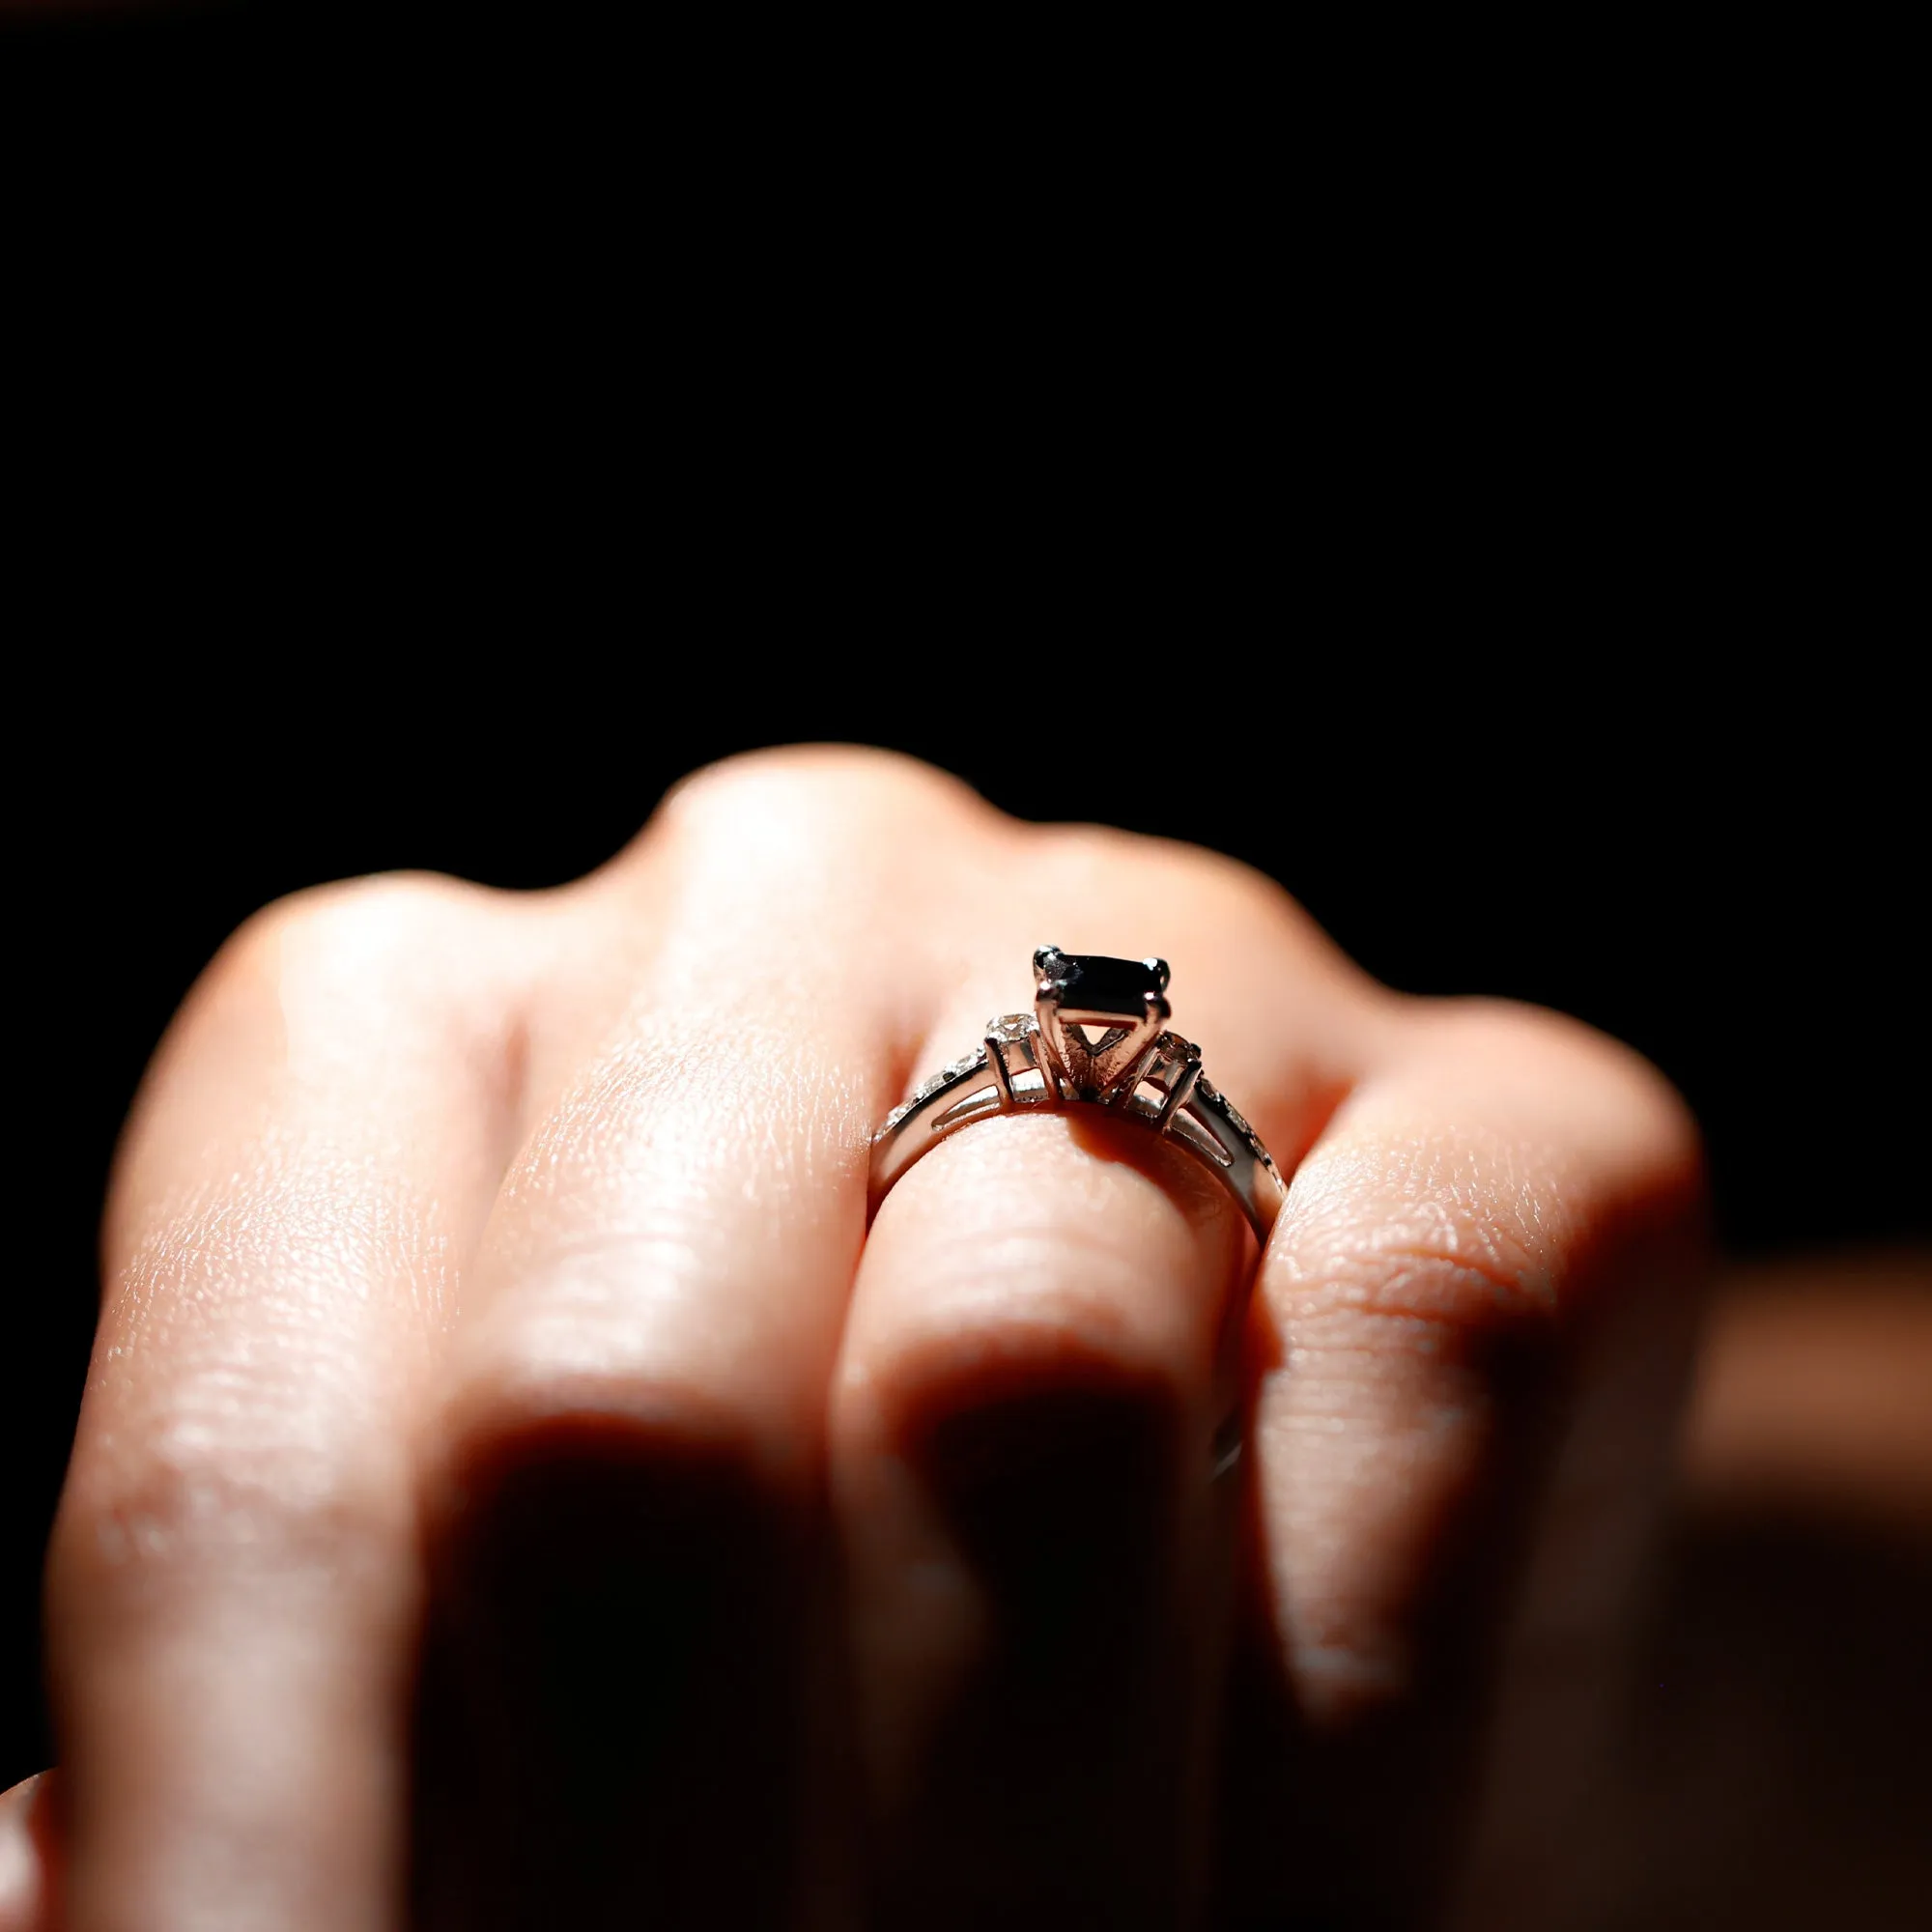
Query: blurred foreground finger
232	1586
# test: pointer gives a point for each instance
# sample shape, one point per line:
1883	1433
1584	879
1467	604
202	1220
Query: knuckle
379	932
552	1481
192	1504
822	789
1004	1417
1431	1271
1641	1134
816	835
534	1428
1254	912
1052	1445
1452	1229
1443	1229
1037	1326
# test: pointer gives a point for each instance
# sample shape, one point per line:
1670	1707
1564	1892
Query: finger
627	1489
27	1856
1022	1405
1495	1200
233	1583
1033	1374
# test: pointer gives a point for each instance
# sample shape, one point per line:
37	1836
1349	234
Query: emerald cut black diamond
1091	982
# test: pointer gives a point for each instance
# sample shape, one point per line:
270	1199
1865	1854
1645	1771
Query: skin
515	1485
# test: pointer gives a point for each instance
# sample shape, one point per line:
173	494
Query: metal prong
1225	1452
1161	976
1176	1096
996	1062
1128	1085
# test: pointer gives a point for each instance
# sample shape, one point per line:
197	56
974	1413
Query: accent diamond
1212	1095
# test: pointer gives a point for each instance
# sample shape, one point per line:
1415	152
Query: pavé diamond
1238	1120
953	1070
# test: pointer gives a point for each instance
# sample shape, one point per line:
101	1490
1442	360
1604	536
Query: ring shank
1206	1125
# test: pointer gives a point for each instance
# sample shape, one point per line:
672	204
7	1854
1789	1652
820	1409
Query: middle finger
629	1455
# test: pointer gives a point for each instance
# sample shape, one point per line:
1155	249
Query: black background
445	434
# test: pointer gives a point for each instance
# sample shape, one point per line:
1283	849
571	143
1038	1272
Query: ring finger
1033	1368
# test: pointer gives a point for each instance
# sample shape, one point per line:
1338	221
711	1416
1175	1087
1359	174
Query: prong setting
1124	997
1096	1035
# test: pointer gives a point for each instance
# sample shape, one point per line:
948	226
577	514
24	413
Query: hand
508	1456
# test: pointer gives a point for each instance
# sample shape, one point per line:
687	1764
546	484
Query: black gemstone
1091	982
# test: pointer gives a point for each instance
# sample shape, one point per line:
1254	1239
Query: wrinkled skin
515	1487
